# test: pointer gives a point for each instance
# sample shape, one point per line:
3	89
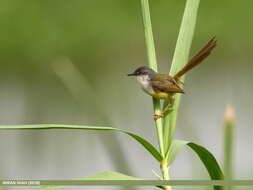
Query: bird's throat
146	84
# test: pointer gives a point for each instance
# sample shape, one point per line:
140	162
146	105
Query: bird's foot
157	116
168	108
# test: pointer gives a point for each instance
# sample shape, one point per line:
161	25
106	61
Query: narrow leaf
108	175
175	148
148	146
180	59
152	63
205	156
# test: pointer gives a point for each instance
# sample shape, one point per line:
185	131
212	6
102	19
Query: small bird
164	86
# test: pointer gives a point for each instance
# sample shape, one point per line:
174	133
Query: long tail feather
198	58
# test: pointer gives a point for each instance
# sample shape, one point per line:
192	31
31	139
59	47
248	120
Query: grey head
144	70
144	75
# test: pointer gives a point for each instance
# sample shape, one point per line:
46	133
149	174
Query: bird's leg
169	104
157	116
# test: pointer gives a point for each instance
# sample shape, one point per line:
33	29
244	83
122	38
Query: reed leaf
152	63
180	59
108	175
205	156
148	146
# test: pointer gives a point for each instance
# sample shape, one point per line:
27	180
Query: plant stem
228	144
152	64
180	59
165	172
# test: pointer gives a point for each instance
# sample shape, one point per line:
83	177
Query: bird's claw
157	116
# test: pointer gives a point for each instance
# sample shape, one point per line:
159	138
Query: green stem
229	129
165	172
180	59
152	64
228	144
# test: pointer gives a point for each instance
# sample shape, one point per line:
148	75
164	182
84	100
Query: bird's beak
131	74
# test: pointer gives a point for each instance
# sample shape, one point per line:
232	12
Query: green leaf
148	146
175	148
180	59
152	63
108	175
205	156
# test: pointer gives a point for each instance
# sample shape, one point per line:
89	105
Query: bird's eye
141	73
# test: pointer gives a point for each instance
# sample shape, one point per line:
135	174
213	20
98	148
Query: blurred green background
66	62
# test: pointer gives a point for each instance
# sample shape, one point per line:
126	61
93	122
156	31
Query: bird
164	86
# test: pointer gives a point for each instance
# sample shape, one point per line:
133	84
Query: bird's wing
165	83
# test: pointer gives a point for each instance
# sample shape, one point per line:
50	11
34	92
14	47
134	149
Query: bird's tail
198	58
